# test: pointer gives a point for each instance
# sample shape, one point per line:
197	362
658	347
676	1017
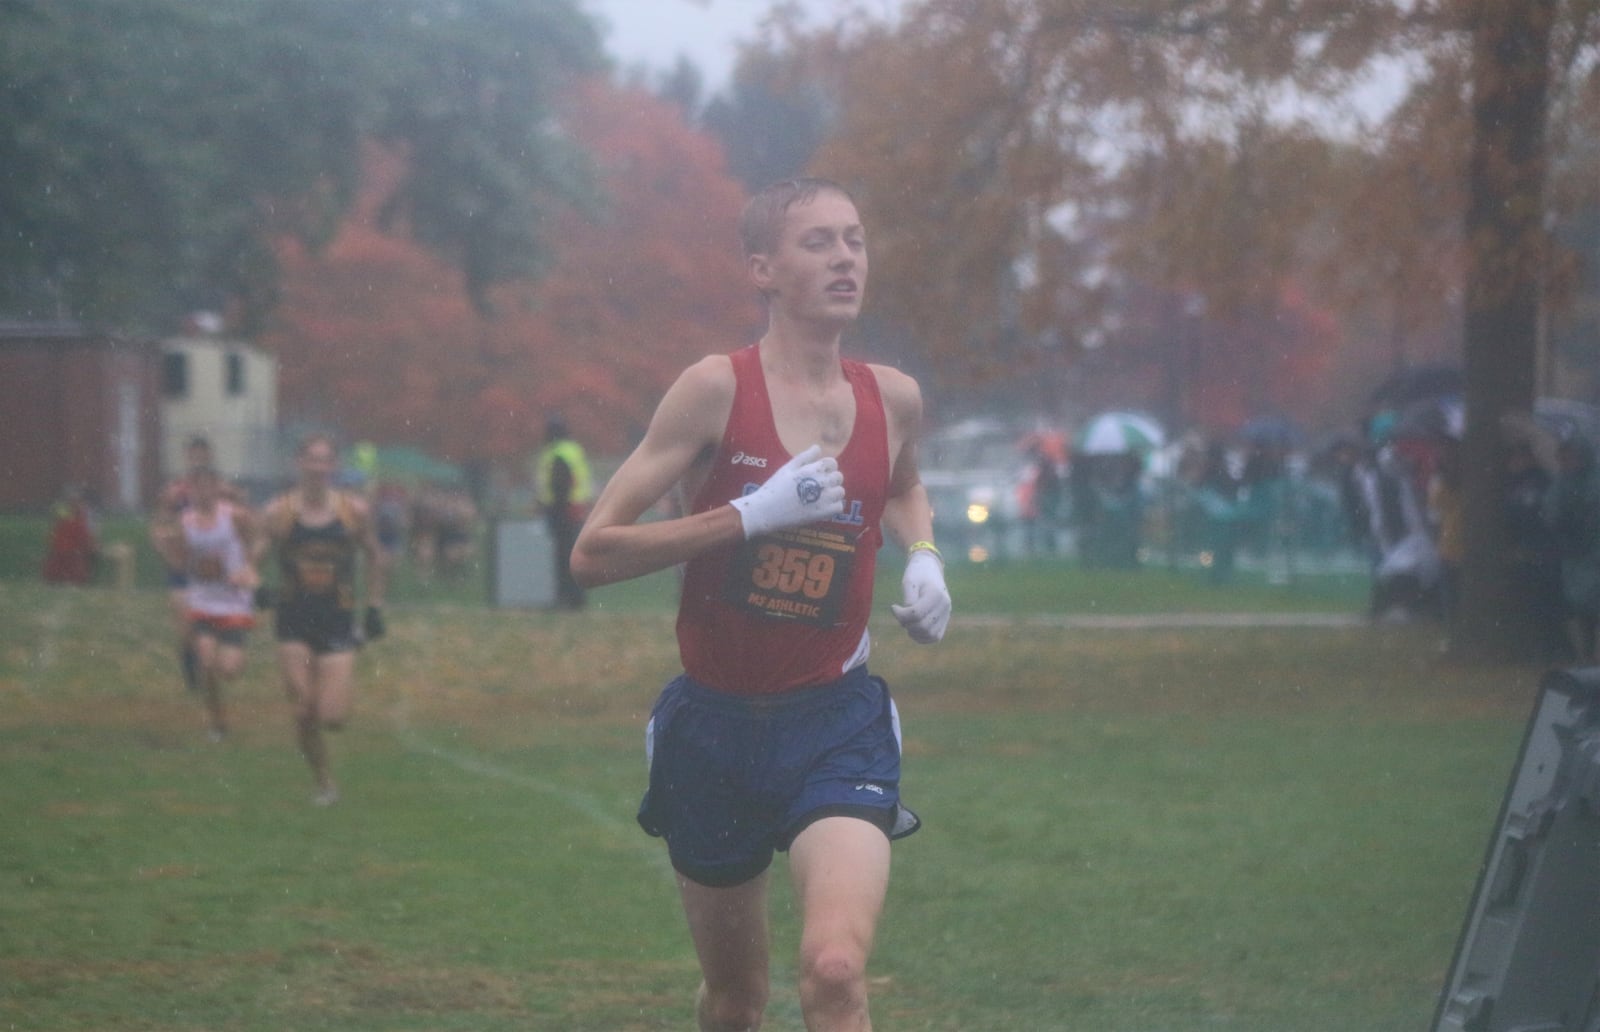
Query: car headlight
980	504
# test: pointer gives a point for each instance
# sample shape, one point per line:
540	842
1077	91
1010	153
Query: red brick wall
63	419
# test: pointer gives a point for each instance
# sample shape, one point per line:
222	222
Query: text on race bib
799	574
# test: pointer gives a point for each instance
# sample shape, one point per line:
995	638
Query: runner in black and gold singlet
317	586
319	532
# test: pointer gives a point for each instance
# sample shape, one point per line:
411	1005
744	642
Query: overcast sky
655	32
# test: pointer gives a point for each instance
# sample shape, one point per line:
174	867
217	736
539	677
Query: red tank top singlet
789	609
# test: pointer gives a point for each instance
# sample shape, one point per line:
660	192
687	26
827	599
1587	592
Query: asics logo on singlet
867	786
741	459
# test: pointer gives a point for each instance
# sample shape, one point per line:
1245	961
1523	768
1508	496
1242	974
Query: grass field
1153	831
1007	587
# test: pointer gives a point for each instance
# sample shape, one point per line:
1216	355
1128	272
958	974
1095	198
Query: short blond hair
761	222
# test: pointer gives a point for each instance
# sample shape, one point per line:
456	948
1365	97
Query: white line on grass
784	1003
1164	621
581	802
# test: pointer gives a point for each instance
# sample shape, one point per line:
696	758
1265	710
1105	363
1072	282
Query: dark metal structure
1528	959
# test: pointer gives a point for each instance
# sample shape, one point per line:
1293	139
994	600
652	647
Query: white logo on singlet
741	459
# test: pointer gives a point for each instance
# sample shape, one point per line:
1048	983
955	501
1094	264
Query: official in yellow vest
571	485
563	487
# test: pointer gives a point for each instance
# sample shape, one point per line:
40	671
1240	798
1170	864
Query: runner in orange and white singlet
214	553
166	534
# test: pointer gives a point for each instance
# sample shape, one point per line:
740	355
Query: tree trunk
1511	41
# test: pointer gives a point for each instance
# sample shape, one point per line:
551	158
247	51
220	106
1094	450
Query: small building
79	409
225	390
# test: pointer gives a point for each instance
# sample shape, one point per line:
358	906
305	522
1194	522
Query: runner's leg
335	676
298	665
729	929
178	602
333	673
208	681
840	867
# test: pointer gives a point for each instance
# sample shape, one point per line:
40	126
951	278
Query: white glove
926	612
804	490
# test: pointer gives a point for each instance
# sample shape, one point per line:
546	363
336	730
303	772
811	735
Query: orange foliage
1074	157
378	336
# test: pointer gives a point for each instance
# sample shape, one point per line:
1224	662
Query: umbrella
403	462
1433	418
1272	431
1565	418
1415	383
1120	433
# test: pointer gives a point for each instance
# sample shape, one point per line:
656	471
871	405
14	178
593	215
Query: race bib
799	574
208	568
316	576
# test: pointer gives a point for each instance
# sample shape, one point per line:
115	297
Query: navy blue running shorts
734	779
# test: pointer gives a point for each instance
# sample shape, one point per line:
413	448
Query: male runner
793	462
166	536
213	552
318	532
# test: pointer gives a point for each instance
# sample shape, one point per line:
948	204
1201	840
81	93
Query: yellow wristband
925	546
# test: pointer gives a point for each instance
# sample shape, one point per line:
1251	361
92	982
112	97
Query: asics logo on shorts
741	459
867	786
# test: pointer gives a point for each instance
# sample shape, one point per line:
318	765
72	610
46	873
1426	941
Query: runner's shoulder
699	401
353	508
901	393
709	378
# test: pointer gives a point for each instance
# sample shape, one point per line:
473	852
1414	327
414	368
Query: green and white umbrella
403	462
1120	433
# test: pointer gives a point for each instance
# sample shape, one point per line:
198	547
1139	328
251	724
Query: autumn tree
1076	155
771	118
153	149
1077	149
371	329
1573	199
379	335
1507	258
1080	153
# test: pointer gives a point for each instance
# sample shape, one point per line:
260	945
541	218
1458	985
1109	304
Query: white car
973	472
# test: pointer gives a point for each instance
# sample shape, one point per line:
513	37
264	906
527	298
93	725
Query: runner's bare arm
907	515
244	525
167	540
166	534
686	428
377	572
266	534
924	611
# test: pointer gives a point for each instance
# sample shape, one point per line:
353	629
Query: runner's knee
836	971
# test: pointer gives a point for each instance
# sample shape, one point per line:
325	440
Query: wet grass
1254	830
1055	584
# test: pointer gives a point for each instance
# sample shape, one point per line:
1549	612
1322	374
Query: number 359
793	571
